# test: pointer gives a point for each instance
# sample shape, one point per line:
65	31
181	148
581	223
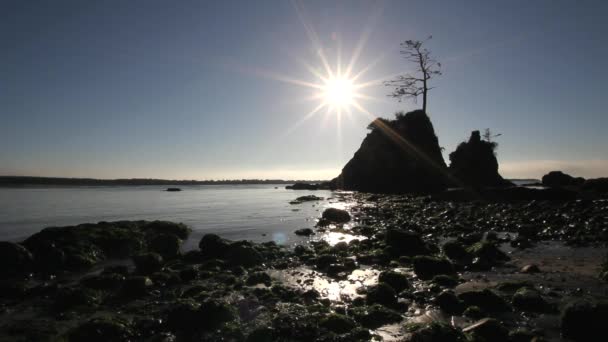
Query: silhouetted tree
489	137
412	86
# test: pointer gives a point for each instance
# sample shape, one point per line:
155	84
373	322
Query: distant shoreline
12	181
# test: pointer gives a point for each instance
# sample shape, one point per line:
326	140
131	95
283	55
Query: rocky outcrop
398	156
560	179
474	164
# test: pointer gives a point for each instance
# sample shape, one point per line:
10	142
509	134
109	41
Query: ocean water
253	212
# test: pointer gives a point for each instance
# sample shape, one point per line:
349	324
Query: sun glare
339	92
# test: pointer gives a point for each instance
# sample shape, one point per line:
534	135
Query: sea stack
474	164
397	156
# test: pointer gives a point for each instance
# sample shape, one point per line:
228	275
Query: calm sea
252	212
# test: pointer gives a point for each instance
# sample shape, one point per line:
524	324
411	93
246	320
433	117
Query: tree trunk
424	90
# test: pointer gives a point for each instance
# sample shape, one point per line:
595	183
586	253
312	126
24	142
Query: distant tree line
27	180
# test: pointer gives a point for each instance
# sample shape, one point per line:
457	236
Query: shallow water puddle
332	289
333	238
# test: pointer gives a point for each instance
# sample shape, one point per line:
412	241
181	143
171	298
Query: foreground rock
80	247
398	156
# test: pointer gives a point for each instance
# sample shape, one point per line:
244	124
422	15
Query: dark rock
49	258
521	335
136	286
189	273
445	280
474	312
338	324
487	329
184	316
436	332
240	254
527	299
560	179
397	156
485	299
173	189
213	246
102	330
404	242
309	198
71	297
375	316
259	278
304	232
104	281
530	269
398	281
382	294
14	258
583	320
474	163
449	303
215	312
302	186
167	245
427	267
456	251
597	185
336	215
486	254
148	262
159	227
261	334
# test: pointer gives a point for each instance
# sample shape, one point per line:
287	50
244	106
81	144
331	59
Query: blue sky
196	89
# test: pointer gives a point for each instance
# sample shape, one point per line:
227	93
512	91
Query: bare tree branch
409	86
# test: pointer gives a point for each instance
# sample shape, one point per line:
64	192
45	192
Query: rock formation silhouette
398	156
560	179
474	164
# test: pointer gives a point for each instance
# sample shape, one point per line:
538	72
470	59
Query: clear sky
204	89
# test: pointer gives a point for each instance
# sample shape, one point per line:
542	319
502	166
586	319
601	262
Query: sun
339	92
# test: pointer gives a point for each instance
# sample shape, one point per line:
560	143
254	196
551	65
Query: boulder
427	267
436	332
167	245
486	254
529	300
560	179
304	232
303	186
212	245
183	316
597	185
583	320
242	254
102	329
449	303
14	258
137	286
474	164
259	278
375	316
382	294
148	263
404	242
309	198
397	156
398	281
486	300
336	215
337	323
487	329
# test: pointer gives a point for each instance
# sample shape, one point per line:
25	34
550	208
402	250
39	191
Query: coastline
412	266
